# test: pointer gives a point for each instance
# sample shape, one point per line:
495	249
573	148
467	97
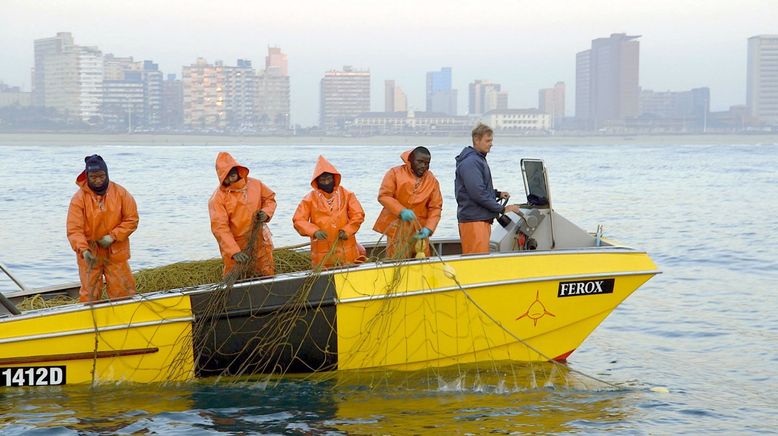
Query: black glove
261	216
342	235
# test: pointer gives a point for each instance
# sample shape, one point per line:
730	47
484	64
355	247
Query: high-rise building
552	101
486	96
203	88
441	97
394	97
45	48
68	77
240	91
152	94
277	59
172	102
762	79
123	102
273	92
607	80
344	95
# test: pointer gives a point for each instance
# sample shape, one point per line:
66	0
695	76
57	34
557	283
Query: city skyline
524	47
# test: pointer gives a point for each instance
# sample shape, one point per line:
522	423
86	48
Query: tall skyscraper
46	48
762	79
68	77
552	101
607	80
394	98
172	102
485	96
273	92
277	59
441	97
203	86
240	90
344	95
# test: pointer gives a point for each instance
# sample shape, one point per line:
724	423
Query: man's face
96	178
232	177
420	163
484	143
325	179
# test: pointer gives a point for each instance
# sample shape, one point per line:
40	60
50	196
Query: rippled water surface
706	329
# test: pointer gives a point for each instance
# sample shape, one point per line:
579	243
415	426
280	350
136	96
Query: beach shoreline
81	139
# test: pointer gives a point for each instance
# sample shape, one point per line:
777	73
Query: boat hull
528	306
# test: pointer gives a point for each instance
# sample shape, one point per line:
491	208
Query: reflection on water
453	400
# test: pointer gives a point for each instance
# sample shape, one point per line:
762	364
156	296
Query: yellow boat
546	285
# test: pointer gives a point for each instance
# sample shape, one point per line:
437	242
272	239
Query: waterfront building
203	89
517	120
394	98
485	96
762	79
172	102
552	101
441	97
344	95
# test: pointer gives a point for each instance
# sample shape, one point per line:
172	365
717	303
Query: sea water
706	329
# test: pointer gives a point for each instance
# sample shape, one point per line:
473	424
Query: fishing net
247	329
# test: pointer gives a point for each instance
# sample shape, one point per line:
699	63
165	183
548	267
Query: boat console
537	226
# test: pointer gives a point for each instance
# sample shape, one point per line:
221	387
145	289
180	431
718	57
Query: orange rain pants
475	236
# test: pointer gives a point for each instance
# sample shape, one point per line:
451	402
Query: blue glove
407	215
424	233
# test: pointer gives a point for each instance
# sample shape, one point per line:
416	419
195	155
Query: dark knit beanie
95	163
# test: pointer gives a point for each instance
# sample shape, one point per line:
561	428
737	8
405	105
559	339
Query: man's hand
241	257
342	235
504	195
105	241
90	258
424	233
261	216
320	235
407	215
512	208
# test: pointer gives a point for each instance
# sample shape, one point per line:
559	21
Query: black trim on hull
288	326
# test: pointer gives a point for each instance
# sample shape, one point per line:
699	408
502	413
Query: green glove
261	216
320	235
90	258
105	241
241	257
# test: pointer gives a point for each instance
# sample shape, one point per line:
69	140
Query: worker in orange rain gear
101	217
330	215
234	205
412	202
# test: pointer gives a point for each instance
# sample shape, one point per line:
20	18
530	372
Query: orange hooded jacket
232	209
401	189
339	210
91	216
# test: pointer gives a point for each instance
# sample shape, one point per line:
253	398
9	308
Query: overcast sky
524	45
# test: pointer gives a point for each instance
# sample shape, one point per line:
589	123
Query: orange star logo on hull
535	311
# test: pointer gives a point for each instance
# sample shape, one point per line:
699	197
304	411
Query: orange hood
324	166
224	163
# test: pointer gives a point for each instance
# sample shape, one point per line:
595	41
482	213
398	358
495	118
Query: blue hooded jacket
475	194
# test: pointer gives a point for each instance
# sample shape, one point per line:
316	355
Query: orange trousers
118	279
475	237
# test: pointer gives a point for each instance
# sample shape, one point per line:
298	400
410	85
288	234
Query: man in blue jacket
477	204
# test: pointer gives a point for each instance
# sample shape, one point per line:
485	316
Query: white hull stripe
497	283
92	330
